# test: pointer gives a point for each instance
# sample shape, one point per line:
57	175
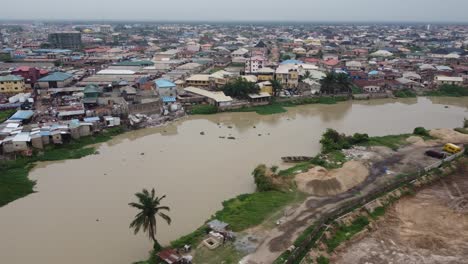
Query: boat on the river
296	158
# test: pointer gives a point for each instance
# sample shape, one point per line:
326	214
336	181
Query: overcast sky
240	10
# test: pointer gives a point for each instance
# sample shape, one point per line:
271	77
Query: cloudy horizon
243	10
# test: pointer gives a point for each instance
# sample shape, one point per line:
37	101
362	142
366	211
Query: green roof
56	77
10	78
91	88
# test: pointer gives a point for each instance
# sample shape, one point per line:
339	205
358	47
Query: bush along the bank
332	140
203	109
404	93
421	131
449	90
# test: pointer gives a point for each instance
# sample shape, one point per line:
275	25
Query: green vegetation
302	237
249	210
345	232
392	141
242	212
266	179
279	107
336	83
357	90
203	109
223	254
378	212
322	260
333	141
404	93
240	88
421	131
461	130
449	90
14	181
149	207
193	238
4	115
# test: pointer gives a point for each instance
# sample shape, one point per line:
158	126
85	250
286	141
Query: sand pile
449	135
321	182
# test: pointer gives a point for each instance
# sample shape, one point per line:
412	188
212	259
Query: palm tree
149	206
276	87
344	83
328	83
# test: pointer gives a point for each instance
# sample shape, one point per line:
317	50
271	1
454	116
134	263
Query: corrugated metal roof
56	77
163	83
22	115
10	78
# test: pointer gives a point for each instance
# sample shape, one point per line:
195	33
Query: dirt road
384	166
431	227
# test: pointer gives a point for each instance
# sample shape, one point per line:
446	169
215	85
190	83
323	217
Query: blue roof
91	119
373	72
168	99
292	62
163	83
22	115
56	77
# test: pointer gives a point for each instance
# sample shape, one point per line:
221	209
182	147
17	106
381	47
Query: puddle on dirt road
80	213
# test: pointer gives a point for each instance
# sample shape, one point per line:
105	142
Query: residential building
29	74
441	80
166	88
253	64
198	80
55	80
12	84
65	40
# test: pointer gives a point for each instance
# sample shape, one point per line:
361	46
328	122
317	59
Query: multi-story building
12	84
253	64
66	40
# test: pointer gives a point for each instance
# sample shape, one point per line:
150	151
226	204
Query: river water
80	212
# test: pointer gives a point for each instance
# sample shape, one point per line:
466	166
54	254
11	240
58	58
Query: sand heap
449	135
322	182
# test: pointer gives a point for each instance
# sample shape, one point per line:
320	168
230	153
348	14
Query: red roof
169	255
331	62
23	69
311	60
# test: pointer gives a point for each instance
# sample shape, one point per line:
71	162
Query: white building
253	64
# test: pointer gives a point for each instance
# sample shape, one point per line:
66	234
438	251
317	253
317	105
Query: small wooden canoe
296	158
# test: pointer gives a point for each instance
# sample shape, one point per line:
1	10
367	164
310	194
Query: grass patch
392	141
357	90
203	109
224	254
461	130
449	90
279	107
300	167
378	212
345	233
4	115
249	210
322	260
14	181
242	212
273	108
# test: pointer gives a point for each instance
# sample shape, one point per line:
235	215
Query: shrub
322	260
404	93
421	131
262	181
203	110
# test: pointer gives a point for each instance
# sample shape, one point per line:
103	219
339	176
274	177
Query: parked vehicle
436	154
452	148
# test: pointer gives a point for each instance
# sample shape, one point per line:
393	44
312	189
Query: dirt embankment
431	227
319	181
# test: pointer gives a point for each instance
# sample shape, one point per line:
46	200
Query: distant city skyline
430	11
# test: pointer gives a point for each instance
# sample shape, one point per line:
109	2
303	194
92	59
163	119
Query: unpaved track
408	159
431	227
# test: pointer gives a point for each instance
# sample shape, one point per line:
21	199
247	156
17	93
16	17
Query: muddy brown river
79	213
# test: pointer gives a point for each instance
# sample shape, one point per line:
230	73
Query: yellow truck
452	148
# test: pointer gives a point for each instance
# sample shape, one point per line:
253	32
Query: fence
297	253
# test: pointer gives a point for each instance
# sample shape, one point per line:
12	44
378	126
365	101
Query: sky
240	10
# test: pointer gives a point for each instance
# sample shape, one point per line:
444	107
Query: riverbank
275	107
15	183
334	159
